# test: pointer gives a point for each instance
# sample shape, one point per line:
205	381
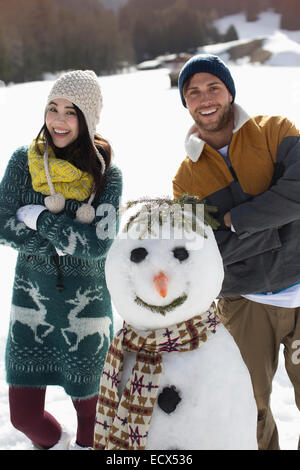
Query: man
249	168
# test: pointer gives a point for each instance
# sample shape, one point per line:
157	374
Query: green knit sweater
61	317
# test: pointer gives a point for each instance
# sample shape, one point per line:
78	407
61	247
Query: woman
58	205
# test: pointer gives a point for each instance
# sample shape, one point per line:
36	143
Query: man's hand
227	219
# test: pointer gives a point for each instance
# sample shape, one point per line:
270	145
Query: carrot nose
161	284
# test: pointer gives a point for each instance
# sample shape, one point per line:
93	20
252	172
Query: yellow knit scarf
66	178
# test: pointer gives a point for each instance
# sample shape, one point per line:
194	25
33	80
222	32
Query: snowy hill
260	42
267	24
276	49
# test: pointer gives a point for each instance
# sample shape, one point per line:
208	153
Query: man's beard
223	120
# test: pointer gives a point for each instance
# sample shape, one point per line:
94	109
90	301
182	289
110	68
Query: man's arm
233	249
277	206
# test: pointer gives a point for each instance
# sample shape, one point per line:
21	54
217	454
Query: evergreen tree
290	18
40	36
4	68
230	35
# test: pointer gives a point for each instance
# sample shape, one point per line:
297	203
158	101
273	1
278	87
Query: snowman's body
216	408
205	398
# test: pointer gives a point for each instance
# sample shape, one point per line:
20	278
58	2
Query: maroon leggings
28	415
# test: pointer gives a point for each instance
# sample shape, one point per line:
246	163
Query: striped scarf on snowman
123	423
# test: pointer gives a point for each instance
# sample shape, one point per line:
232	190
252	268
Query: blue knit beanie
209	64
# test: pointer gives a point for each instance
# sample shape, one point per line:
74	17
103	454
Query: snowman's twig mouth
162	309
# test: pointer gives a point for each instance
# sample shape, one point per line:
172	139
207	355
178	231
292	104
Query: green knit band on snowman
165	209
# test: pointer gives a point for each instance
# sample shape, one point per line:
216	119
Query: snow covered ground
146	124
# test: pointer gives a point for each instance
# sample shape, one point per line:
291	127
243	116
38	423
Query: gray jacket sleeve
234	249
280	204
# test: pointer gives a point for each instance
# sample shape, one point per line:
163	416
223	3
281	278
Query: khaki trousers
259	329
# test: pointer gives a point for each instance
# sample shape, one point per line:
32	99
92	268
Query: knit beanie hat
209	64
81	87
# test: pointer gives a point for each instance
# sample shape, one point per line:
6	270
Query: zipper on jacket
237	192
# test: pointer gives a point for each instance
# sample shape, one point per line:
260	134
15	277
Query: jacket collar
194	145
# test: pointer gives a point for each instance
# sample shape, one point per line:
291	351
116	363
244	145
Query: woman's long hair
82	153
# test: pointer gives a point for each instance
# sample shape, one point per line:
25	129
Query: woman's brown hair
82	153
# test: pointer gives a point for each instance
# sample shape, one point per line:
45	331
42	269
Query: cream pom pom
55	203
85	214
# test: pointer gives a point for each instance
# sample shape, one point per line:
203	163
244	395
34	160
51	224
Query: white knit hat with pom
81	87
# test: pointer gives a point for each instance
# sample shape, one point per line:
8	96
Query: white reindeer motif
85	326
15	226
31	317
73	239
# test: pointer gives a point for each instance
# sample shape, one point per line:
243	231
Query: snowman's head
159	274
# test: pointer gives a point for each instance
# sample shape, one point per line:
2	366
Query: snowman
174	377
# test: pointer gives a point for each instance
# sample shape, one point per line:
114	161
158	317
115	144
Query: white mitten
29	214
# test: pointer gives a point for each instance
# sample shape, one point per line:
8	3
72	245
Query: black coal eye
181	253
138	254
